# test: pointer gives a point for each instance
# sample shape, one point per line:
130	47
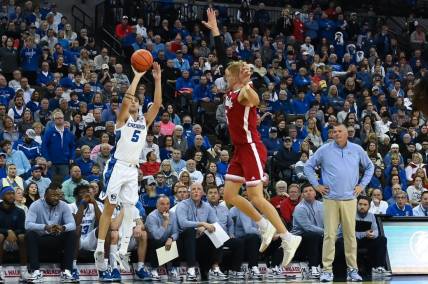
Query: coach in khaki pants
339	162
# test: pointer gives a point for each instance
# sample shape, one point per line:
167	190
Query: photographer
50	225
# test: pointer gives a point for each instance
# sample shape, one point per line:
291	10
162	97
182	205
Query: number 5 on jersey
136	136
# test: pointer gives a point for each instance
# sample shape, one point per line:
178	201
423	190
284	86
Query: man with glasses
422	209
400	207
58	146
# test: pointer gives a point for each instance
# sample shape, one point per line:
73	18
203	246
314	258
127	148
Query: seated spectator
28	145
308	222
235	245
223	164
123	28
272	143
86	213
84	162
102	157
12	231
194	245
195	175
181	192
150	146
413	166
12	179
166	150
10	131
37	178
162	230
287	206
370	239
151	166
15	157
422	209
149	197
377	204
31	194
170	175
400	207
299	167
70	184
166	125
286	159
50	231
281	194
180	142
248	231
177	164
415	191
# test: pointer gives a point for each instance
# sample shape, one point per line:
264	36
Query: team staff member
339	162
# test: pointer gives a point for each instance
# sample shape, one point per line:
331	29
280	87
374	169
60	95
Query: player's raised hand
156	71
138	74
212	22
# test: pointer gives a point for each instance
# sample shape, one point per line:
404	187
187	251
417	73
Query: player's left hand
138	74
358	189
156	71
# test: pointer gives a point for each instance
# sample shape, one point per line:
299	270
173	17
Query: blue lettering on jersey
134	125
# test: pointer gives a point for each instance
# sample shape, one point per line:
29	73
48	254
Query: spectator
150	146
28	145
288	205
123	28
194	244
15	157
308	222
70	184
162	230
370	239
12	231
180	142
151	166
422	209
195	175
166	126
281	194
84	161
31	194
272	143
400	207
50	224
286	159
415	191
12	178
58	145
177	163
37	178
377	204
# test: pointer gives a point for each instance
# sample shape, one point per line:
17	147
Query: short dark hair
305	185
365	197
52	186
80	187
423	193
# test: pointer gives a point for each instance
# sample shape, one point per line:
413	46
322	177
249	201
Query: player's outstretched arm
127	99
157	101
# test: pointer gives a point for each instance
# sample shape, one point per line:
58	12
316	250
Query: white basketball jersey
130	140
88	220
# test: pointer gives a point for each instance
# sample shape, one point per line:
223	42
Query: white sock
100	245
216	268
75	264
191	270
113	249
140	265
126	229
262	223
285	236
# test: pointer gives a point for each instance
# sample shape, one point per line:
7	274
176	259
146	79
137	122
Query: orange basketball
142	60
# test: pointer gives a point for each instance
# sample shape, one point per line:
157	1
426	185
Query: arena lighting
407	246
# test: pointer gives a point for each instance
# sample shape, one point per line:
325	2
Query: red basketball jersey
242	120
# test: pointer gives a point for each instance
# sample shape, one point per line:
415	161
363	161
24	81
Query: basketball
142	60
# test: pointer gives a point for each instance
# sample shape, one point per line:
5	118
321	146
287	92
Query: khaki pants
339	212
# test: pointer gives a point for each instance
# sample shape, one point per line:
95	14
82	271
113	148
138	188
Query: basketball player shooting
249	158
121	172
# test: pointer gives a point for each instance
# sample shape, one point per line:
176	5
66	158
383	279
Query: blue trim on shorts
108	172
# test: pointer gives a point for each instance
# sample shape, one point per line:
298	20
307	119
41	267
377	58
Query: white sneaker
315	272
122	260
24	275
266	236
67	277
236	275
380	271
255	273
275	273
290	248
99	261
174	274
36	277
191	274
155	275
217	275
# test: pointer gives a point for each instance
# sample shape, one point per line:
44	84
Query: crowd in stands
314	68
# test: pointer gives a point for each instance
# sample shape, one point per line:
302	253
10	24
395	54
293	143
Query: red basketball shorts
247	164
